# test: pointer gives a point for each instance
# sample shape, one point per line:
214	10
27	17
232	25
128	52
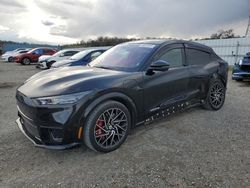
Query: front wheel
107	126
25	61
10	59
215	96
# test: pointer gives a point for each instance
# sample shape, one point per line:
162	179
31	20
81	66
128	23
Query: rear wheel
25	61
215	96
107	126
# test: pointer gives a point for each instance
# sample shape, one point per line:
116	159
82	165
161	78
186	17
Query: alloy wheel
26	61
217	95
110	128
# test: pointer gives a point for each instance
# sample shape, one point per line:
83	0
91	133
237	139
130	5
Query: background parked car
33	55
46	61
43	58
81	58
8	56
241	70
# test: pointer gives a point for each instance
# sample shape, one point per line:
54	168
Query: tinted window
173	57
38	51
70	53
125	57
197	57
95	55
80	55
48	51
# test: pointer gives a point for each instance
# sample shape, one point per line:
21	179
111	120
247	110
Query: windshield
80	55
123	57
58	53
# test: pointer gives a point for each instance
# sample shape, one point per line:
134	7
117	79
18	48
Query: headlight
62	99
240	63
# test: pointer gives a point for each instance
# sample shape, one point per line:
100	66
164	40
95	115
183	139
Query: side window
197	57
173	57
94	55
38	51
46	51
70	53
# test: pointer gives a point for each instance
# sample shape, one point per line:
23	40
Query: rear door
200	65
163	89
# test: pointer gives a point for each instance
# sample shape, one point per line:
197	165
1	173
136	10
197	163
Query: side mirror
159	65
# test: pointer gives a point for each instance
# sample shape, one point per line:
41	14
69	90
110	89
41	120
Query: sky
69	21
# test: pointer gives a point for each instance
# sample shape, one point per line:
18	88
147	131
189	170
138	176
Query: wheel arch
115	96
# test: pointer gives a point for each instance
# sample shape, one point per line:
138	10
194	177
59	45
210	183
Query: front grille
29	127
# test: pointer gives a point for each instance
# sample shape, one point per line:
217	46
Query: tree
223	34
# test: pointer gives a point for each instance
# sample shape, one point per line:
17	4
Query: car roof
163	42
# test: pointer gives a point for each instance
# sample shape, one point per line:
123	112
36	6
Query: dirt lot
197	148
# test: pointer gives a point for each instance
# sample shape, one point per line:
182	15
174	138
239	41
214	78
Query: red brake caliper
99	131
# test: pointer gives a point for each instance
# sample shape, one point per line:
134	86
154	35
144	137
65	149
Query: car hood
57	60
44	57
62	62
68	80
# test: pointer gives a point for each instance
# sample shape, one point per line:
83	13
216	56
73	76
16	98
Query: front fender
117	96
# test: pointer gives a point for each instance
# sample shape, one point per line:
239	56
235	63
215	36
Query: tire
49	64
101	133
25	61
10	59
215	96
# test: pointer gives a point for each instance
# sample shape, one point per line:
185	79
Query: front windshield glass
123	57
79	55
59	53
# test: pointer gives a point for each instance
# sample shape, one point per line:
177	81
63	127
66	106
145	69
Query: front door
162	89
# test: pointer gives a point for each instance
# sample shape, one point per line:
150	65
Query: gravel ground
196	148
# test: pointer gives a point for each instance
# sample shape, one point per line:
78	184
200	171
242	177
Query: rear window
246	59
197	57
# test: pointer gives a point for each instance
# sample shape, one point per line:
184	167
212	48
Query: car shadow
245	83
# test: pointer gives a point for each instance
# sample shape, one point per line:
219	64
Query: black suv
130	84
241	70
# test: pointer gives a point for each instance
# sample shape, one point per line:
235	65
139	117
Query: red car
33	55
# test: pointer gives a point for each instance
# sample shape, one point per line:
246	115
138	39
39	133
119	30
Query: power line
248	29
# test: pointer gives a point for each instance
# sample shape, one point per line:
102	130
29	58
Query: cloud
181	18
3	29
58	30
66	20
47	23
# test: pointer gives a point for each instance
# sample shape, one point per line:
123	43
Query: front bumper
241	75
42	65
38	142
3	58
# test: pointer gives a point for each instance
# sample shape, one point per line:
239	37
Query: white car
43	58
45	62
10	55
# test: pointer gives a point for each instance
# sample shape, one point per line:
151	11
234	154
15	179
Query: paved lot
196	148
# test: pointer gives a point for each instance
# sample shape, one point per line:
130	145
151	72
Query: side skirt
171	110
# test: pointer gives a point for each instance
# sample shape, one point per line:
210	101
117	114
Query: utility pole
248	29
